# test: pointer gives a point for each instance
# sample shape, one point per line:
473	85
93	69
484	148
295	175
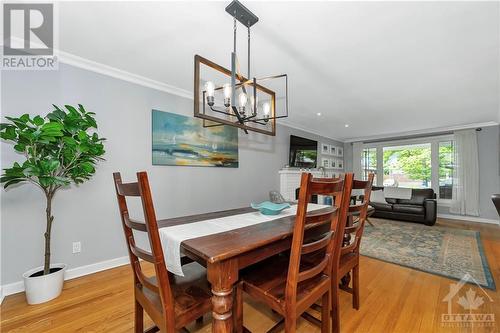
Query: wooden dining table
225	254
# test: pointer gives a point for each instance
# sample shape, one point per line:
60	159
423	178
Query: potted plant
59	149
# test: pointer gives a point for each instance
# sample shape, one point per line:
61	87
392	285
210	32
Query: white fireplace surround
290	180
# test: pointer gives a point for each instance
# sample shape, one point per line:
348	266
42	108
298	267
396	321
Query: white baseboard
468	218
17	287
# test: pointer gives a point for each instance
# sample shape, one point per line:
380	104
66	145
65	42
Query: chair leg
335	305
238	309
139	318
355	287
325	313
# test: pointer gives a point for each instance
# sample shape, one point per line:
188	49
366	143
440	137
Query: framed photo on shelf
325	148
340	151
333	150
325	163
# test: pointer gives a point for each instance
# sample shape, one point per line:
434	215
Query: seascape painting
182	140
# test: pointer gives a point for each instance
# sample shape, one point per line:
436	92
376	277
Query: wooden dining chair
349	253
286	283
170	301
348	256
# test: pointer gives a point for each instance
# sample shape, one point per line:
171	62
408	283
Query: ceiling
381	67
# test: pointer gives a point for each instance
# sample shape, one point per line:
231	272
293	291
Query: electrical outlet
77	247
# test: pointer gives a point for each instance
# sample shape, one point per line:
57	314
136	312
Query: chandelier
226	97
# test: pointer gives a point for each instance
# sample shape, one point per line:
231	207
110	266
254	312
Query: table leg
222	276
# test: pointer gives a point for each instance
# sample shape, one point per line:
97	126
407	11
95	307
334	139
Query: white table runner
172	237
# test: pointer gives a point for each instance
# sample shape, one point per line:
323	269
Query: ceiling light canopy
226	97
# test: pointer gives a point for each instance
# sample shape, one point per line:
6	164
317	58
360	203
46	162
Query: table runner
172	237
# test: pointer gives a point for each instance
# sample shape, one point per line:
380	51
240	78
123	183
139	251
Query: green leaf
20	147
38	121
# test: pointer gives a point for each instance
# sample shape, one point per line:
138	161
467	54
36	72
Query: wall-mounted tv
303	152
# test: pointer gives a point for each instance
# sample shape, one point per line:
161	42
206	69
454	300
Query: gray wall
489	170
88	213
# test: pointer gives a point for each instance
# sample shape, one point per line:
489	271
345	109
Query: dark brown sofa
422	207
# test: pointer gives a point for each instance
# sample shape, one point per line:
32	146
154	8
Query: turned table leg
222	276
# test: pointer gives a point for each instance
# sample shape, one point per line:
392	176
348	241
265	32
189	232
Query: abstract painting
182	140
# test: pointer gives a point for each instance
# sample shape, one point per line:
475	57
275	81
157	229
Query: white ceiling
381	67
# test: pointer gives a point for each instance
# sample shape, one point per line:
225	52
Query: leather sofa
422	207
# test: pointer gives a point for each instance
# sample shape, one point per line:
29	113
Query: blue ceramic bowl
270	208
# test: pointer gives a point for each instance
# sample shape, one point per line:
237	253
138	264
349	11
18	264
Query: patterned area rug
438	250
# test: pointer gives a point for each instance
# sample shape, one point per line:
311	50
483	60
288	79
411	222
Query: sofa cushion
377	196
418	196
408	209
381	206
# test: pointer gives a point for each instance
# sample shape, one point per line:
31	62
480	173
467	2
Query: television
303	152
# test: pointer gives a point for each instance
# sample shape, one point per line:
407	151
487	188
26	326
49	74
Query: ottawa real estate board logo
29	36
468	307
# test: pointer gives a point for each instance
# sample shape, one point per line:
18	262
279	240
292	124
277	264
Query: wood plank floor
393	299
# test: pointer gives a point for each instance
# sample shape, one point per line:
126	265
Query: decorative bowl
270	208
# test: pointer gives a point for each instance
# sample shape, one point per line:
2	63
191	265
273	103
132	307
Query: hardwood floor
393	299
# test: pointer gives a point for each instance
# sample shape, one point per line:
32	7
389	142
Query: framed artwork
325	148
333	150
182	140
340	164
333	164
325	163
340	151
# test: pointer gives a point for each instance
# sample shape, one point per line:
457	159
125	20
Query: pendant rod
233	64
248	76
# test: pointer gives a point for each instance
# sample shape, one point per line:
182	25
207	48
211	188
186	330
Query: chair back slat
128	190
135	225
317	269
320	217
142	189
328	243
144	255
317	244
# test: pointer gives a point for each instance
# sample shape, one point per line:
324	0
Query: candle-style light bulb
253	102
266	108
227	94
210	89
242	98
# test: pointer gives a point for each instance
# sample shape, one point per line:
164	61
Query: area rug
438	250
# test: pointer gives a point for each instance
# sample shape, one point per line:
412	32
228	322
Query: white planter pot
43	288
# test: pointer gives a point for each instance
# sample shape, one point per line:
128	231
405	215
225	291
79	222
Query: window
446	159
369	163
413	163
408	166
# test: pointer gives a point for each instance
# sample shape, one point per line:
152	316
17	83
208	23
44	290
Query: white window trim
433	140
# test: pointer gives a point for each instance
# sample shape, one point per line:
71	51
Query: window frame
433	140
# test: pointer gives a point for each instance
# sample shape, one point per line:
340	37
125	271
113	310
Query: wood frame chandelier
226	97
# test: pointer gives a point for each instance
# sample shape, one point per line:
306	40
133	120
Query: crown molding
96	67
90	65
297	127
397	135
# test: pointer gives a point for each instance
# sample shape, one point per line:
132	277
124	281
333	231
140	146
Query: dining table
226	253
